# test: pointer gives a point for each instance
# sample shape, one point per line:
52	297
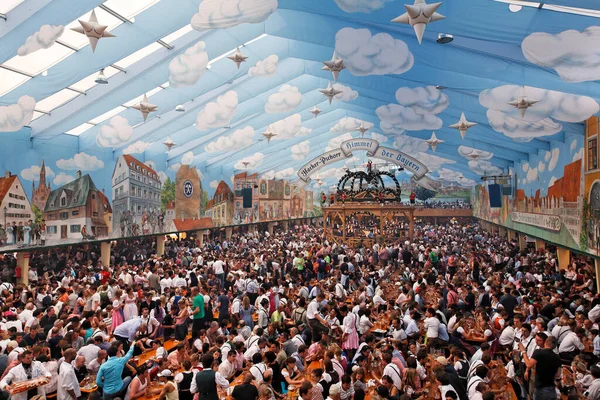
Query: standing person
68	385
182	320
197	311
317	324
547	364
223	304
350	335
205	382
26	370
126	332
109	375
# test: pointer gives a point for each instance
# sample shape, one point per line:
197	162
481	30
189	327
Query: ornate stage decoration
364	186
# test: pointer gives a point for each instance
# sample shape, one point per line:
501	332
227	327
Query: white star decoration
463	125
335	65
330	92
268	134
169	143
145	107
315	111
433	141
93	30
522	103
362	129
419	15
238	58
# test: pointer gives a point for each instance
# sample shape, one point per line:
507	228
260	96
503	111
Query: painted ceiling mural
225	95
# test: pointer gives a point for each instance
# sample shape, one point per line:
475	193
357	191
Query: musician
26	370
331	199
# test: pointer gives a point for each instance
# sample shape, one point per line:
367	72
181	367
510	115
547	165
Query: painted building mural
557	193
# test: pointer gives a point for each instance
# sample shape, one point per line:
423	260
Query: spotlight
101	78
180	108
440	87
444	38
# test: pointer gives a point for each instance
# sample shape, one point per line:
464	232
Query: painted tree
167	194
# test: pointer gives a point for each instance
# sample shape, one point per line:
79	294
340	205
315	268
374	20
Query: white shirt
222	382
472	386
18	374
432	325
90	352
393	372
258	370
570	342
227	369
128	328
67	380
312	310
507	336
218	267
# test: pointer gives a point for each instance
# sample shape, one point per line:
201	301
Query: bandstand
367	208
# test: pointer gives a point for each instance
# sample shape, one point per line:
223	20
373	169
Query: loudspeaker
495	192
247	197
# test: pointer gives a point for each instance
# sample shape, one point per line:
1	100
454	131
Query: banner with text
373	150
545	221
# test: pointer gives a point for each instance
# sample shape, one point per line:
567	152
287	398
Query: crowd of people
458	313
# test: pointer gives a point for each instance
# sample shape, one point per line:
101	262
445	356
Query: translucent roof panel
107	115
40	60
129	8
10	80
89	81
36	115
138	55
177	34
138	99
56	100
77	40
80	129
7	5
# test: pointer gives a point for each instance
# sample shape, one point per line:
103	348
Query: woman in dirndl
350	335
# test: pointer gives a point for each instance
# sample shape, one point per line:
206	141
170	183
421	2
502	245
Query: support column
597	265
23	264
229	232
502	231
160	245
435	220
286	225
564	257
105	254
270	227
539	244
511	235
522	241
200	238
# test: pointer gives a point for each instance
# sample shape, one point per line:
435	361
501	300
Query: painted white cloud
554	158
410	145
254	161
532	174
219	113
162	176
525	167
62	179
235	141
573	145
289	127
547	156
574	55
115	133
484	167
33	173
42	39
454	176
137	147
266	67
81	161
466	182
519	130
433	162
188	158
336	142
362	6
175	167
423	100
541	166
330	173
187	68
550	104
285	99
16	116
578	155
367	54
349	124
379	137
524	181
301	150
214	184
218	14
397	119
269	175
347	93
552	181
466	152
285	173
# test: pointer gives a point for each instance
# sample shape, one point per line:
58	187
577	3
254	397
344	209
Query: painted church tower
40	195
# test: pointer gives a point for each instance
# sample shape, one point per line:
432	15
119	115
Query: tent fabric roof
217	113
